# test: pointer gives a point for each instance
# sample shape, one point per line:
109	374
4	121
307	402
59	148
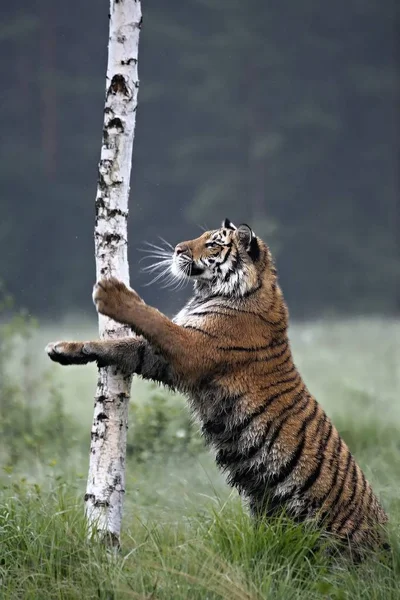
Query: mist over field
352	366
184	531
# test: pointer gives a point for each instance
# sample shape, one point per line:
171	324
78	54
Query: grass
215	553
185	534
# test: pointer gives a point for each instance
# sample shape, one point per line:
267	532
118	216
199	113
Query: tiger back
274	441
228	350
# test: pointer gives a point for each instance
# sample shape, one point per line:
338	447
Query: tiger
228	351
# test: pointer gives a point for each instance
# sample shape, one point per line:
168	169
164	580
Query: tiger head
226	261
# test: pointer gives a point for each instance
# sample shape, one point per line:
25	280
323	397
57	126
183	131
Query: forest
283	117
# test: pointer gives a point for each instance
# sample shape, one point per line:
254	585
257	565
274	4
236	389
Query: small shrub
161	426
29	429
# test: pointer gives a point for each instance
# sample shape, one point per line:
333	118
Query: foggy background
281	115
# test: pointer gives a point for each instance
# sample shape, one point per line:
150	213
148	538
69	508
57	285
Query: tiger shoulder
228	350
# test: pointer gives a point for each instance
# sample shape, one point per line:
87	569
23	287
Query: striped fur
228	350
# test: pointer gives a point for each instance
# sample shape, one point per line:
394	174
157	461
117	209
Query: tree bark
106	481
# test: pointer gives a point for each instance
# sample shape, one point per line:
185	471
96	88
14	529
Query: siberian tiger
228	351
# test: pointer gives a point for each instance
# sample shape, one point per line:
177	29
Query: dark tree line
281	115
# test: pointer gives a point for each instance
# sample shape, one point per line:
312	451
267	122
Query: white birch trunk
106	480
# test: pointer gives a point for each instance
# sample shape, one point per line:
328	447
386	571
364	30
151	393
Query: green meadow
185	535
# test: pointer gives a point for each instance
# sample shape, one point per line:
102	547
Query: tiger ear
249	241
227	224
245	235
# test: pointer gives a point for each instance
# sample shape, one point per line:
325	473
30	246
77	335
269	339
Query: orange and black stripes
278	447
228	350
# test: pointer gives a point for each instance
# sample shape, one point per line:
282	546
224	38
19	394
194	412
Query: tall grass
217	552
185	534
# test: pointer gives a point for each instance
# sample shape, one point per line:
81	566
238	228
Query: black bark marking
115	123
109	238
101	184
116	212
89	497
100	204
101	503
111	213
128	61
118	85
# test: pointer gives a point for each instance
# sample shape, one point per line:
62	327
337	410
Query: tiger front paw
114	299
71	353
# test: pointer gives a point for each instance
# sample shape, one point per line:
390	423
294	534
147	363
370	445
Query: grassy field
186	534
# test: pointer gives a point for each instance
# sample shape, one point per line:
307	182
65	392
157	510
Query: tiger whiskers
166	243
182	277
161	260
163	257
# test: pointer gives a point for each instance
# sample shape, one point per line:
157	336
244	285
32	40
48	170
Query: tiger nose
181	249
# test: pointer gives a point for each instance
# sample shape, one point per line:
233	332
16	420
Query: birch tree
106	480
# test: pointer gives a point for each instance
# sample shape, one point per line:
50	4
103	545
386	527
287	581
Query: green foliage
219	555
44	547
161	425
27	428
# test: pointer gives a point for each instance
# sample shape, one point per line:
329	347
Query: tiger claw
69	353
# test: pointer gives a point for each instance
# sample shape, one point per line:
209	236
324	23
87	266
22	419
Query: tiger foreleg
74	353
179	346
131	355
